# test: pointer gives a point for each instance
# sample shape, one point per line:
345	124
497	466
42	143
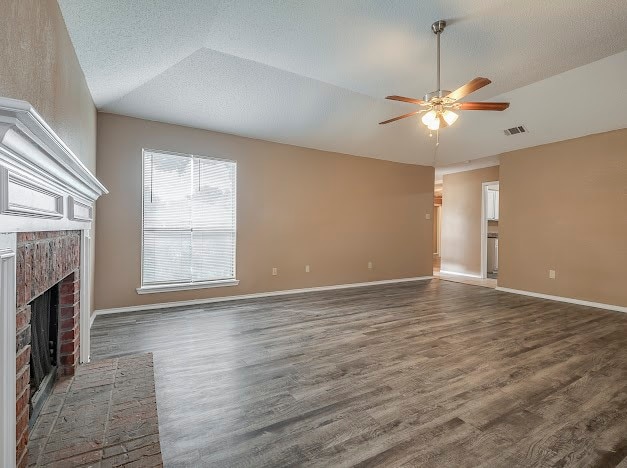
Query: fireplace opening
44	349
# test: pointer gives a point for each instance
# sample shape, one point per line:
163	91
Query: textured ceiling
314	74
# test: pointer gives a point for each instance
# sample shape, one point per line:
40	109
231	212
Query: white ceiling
314	74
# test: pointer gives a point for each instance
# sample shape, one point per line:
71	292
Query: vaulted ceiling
315	73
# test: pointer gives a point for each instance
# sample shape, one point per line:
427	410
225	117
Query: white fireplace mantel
43	187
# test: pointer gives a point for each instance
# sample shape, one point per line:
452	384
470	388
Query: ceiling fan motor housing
442	93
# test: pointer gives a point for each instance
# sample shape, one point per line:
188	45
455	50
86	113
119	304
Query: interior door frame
484	227
437	210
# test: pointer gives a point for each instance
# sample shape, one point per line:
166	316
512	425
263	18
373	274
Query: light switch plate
551	274
428	216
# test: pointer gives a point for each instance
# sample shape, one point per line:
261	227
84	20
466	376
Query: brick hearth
45	259
106	416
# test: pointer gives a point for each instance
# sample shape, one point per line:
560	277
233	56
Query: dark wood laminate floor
431	373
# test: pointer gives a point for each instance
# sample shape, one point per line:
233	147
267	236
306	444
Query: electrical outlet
306	268
551	274
428	216
370	265
275	272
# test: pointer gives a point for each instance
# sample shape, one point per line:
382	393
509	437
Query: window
188	224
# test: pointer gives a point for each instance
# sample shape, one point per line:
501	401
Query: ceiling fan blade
489	106
405	99
400	117
468	88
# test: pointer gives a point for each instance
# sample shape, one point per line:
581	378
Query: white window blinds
189	219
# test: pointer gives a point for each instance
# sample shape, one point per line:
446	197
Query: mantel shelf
43	185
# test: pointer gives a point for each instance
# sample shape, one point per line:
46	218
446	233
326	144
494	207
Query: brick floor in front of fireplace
105	416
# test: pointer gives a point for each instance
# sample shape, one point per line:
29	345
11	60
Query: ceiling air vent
515	130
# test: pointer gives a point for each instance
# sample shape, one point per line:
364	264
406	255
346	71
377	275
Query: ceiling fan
439	106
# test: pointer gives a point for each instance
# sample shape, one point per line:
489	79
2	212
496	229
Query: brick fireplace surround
45	259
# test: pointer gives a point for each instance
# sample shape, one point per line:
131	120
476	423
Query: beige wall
39	65
563	206
296	206
461	219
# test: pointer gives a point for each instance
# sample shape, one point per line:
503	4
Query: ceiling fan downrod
437	28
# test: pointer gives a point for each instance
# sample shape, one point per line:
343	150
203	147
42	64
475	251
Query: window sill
159	288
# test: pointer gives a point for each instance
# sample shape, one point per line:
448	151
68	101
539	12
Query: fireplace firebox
44	353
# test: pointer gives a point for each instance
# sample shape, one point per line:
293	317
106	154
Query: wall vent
515	130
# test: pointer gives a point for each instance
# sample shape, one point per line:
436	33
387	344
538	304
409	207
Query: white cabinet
493	204
490	205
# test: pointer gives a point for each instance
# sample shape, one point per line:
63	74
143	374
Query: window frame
190	285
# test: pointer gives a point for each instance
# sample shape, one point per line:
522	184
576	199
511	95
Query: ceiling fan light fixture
429	118
450	117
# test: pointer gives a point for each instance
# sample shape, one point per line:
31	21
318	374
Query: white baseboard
467	275
167	305
598	305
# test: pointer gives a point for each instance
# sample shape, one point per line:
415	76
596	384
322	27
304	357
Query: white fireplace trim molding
7	350
39	150
85	299
43	187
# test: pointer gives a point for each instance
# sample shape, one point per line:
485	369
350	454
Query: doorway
490	230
